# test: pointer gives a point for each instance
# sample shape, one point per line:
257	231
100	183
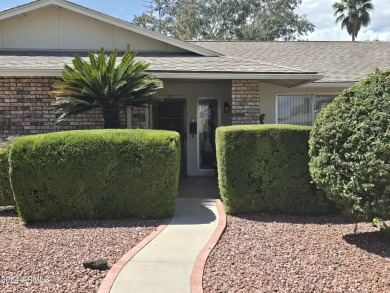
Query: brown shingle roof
193	63
158	62
338	61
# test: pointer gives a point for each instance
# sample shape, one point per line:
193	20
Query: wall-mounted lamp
262	117
226	107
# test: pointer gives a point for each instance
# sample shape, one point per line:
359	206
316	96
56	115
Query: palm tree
353	14
99	83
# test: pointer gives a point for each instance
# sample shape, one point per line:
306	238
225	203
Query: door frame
205	172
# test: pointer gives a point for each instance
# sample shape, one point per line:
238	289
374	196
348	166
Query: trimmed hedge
265	168
95	174
350	148
6	195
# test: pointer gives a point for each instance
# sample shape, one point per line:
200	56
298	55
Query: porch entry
196	120
170	115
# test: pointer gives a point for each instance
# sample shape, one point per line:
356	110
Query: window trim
312	94
129	116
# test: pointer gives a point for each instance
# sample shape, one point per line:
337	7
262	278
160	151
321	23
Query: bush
350	148
95	174
264	168
6	194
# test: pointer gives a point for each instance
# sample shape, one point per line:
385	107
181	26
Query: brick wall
25	108
245	102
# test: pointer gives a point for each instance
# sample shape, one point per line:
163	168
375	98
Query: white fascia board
107	19
175	75
12	12
328	84
219	75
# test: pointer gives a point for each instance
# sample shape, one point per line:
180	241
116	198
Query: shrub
264	168
6	194
350	148
95	174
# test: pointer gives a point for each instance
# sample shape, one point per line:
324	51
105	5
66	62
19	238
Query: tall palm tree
99	83
353	14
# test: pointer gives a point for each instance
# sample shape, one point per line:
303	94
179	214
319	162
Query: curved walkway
172	258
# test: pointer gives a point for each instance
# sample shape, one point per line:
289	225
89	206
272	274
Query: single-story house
206	84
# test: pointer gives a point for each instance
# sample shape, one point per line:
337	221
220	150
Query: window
300	109
207	124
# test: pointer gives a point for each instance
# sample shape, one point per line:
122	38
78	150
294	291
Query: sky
319	12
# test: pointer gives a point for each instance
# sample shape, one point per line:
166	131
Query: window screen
295	109
321	101
300	109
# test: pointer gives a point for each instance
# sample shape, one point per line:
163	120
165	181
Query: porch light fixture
226	107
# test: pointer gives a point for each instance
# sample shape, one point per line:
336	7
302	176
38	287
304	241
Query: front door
170	115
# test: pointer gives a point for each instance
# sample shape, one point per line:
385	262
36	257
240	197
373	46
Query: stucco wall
59	28
269	92
25	108
37	30
1	35
192	91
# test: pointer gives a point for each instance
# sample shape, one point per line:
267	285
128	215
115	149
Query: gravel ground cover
270	253
48	257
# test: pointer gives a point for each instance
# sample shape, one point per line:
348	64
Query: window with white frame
300	109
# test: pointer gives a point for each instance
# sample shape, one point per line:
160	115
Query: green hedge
6	195
350	148
265	168
95	174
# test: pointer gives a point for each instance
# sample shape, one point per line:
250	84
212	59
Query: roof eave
181	75
239	75
333	84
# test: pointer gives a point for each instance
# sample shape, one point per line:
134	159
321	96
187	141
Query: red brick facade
25	108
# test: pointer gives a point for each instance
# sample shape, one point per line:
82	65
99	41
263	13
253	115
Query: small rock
96	264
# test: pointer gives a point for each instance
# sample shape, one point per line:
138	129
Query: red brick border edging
197	272
113	273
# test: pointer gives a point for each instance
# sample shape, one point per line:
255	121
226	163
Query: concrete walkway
198	187
166	263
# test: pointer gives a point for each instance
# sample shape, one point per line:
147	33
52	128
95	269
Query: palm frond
353	14
98	82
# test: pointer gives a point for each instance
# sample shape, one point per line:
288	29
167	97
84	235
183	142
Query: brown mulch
48	257
272	253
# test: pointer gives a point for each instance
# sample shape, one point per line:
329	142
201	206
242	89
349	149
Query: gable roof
39	4
198	62
284	63
339	62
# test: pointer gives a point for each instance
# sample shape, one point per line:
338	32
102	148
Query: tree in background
252	20
158	17
99	83
353	14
